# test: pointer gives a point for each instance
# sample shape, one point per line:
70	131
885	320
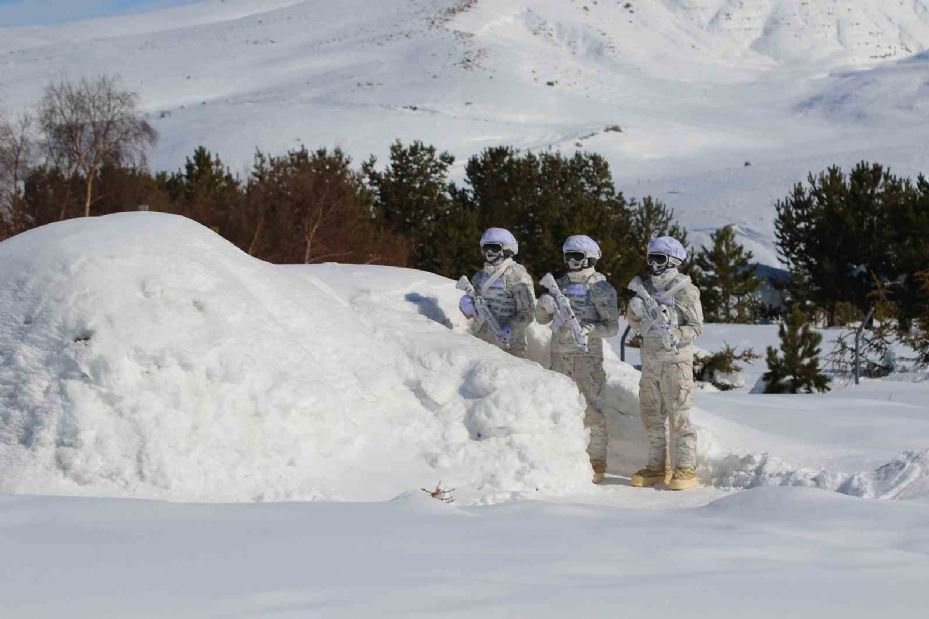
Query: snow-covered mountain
698	87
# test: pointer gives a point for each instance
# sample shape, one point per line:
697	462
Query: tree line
83	152
843	236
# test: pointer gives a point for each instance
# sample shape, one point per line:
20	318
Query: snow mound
904	477
143	356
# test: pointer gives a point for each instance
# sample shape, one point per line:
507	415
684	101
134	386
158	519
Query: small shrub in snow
719	368
440	493
796	368
846	313
876	343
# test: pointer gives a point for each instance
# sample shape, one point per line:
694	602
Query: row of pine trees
850	240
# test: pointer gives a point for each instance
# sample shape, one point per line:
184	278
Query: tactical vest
579	295
499	299
666	297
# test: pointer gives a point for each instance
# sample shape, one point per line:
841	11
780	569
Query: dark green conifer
726	278
796	368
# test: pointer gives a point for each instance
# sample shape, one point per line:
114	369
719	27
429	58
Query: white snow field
677	94
143	357
765	553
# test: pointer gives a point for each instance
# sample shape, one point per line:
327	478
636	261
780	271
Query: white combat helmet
669	246
580	252
500	236
664	252
582	243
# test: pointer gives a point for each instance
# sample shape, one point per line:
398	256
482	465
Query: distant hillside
692	89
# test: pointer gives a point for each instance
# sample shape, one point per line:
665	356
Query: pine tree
204	176
649	218
910	247
797	367
545	197
918	336
726	278
206	191
837	232
576	195
412	197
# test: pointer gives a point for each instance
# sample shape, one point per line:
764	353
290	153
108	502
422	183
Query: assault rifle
483	310
564	312
654	317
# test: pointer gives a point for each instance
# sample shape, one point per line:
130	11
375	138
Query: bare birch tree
16	152
92	123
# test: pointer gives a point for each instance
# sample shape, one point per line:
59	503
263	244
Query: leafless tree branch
91	123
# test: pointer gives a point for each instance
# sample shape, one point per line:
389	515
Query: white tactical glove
548	304
637	307
588	330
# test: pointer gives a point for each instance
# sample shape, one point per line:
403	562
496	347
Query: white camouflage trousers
587	372
665	399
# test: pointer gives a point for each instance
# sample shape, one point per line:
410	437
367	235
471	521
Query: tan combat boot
599	467
684	479
650	476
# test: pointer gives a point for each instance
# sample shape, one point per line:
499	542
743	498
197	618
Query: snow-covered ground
766	553
287	417
141	356
696	87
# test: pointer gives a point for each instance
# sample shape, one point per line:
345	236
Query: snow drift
141	355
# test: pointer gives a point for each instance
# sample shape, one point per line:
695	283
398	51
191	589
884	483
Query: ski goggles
576	256
492	250
658	260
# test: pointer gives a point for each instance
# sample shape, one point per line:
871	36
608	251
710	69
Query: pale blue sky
34	12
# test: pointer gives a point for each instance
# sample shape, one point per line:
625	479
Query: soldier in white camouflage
593	301
507	289
667	365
